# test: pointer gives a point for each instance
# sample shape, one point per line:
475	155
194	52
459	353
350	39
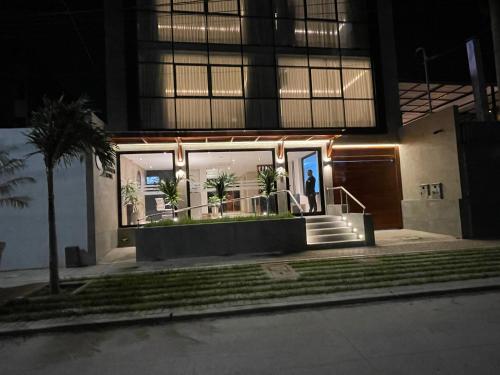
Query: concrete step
322	219
325	225
335	245
318	232
332	238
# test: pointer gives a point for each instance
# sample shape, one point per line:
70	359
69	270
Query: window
256	64
293	82
191	80
359	113
228	114
322	34
328	113
193	113
326	83
352	10
321	9
357	83
354	36
261	114
259	8
189	28
223	30
154	27
289	8
223	6
140	174
290	33
260	82
188	5
226	81
295	113
156	80
257	31
157	113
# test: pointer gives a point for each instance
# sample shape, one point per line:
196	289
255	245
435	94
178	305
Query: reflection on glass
140	174
304	179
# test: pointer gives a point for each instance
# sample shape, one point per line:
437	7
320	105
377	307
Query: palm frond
16	202
64	131
267	181
170	189
220	184
7	187
9	167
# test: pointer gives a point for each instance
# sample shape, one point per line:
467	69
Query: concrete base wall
266	236
429	154
436	216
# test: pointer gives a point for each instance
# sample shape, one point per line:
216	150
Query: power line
77	30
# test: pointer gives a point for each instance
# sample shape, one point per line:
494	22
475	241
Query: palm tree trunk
53	258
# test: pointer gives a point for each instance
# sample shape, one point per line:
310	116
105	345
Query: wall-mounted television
152	180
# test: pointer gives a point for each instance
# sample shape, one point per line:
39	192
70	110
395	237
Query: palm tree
220	184
169	189
8	167
267	182
61	132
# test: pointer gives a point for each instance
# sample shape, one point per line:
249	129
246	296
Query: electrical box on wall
437	190
424	191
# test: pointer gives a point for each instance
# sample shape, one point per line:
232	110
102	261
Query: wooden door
372	175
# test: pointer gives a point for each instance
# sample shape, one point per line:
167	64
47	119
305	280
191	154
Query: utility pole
426	69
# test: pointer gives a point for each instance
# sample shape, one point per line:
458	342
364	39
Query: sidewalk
122	260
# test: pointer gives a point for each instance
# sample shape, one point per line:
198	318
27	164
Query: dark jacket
311	186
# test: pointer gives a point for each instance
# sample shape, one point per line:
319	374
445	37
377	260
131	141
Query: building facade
240	85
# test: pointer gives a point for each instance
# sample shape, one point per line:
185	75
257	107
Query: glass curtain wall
245	165
255	64
140	174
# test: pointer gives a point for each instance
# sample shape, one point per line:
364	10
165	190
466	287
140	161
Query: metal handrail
230	201
341	188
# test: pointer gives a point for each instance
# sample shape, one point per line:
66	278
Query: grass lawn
247	284
225	219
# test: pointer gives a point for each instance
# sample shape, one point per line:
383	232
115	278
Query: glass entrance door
305	180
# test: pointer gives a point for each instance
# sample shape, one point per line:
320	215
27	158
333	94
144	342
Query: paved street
459	335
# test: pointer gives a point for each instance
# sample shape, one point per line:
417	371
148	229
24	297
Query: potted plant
169	188
220	183
8	167
267	182
130	200
214	203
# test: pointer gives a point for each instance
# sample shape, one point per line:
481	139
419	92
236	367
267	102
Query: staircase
326	232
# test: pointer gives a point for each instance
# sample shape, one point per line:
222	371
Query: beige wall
428	154
105	213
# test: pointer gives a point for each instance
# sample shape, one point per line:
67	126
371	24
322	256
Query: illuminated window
226	81
191	80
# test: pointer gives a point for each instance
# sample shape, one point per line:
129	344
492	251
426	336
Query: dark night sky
38	36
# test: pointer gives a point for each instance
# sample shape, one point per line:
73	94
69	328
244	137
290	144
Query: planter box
218	239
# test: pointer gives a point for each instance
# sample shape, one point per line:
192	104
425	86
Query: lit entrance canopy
159	137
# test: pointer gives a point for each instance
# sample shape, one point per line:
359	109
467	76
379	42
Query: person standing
311	191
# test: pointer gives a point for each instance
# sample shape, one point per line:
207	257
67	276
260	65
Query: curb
246	310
